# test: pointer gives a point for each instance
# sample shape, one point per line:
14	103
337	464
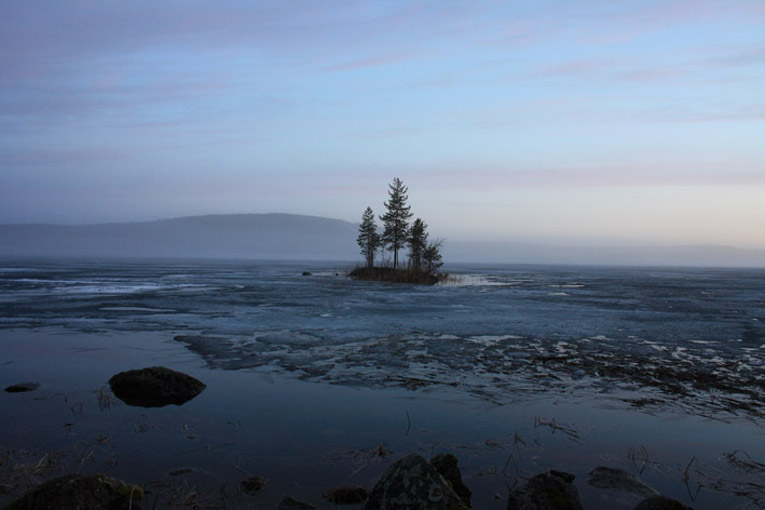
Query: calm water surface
315	381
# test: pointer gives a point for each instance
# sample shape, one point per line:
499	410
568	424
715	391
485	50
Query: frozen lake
316	381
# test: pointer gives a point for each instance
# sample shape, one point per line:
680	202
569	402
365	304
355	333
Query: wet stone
413	483
21	387
612	478
553	490
446	465
253	484
74	492
155	387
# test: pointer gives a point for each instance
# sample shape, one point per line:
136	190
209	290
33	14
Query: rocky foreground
412	483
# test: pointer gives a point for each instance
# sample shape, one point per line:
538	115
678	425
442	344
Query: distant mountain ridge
250	236
295	237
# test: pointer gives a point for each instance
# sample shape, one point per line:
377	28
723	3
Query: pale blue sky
589	121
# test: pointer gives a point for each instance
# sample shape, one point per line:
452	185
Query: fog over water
296	237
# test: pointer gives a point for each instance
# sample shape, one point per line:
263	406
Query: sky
592	121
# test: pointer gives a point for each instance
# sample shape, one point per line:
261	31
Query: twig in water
633	454
76	408
544	422
688	467
105	399
686	479
408	424
130	500
39	464
240	468
510	458
745	465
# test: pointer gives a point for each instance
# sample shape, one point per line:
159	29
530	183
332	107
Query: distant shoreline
284	237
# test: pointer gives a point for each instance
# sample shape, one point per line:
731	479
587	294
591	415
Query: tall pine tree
395	220
417	242
368	239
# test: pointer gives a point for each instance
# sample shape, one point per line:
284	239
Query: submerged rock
413	483
446	465
290	503
347	495
253	484
155	387
553	490
74	492
612	478
20	387
661	503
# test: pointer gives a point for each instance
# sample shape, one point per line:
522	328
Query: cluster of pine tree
398	233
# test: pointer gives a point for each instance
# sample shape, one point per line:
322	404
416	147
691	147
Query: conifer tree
417	242
395	220
431	256
368	239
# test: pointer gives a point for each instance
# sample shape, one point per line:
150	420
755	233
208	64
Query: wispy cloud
742	58
608	176
706	113
365	63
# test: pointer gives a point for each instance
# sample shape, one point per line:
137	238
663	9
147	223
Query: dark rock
74	492
347	495
661	503
611	478
289	503
553	490
413	483
155	387
25	386
446	465
306	273
253	484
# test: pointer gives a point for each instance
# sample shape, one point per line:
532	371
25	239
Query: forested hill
256	236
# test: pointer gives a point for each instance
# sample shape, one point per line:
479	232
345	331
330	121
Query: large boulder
553	490
446	465
155	387
661	503
74	492
413	483
616	479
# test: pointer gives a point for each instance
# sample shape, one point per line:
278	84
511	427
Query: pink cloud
670	175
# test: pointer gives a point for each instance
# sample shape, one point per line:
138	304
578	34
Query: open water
515	369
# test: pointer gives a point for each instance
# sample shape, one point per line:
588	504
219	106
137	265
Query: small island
424	259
